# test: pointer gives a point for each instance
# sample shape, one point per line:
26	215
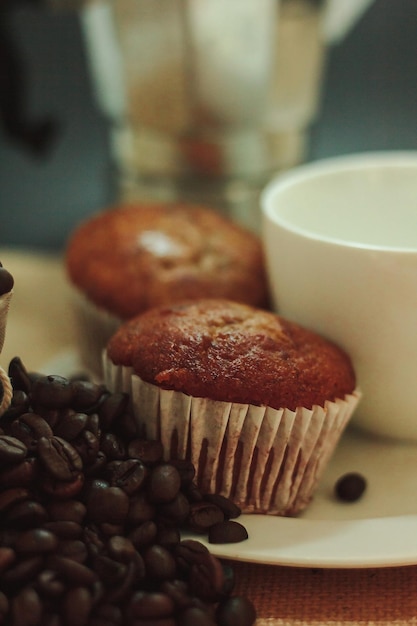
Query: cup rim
306	172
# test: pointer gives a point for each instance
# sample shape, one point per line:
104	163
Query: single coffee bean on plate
228	531
350	487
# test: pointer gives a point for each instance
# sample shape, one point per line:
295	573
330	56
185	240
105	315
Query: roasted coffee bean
70	511
86	396
106	615
178	591
228	531
175	512
149	452
26	514
26	608
196	616
72	571
50	584
88	446
19	404
110	571
21	474
36	541
193	493
187	553
22	572
4	607
77	606
94	469
121	548
112	408
52	392
29	428
59	458
203	515
11	497
159	563
229	508
140	510
144	534
70	427
236	610
123	590
129	475
73	549
93	424
7	557
150	605
185	469
107	504
93	540
62	489
164	483
168	537
229	579
350	487
110	530
112	446
12	450
64	529
19	376
53	416
206	578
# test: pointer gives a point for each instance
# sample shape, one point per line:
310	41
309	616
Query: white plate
379	530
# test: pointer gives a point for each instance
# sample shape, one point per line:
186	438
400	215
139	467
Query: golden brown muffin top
232	352
134	257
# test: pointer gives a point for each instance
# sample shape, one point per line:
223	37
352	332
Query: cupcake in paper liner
6	291
255	401
129	258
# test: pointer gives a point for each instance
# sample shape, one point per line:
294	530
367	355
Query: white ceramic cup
341	246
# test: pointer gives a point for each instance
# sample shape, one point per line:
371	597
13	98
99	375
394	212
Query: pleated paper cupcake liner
266	460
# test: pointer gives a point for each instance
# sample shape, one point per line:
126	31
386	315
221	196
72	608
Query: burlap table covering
287	596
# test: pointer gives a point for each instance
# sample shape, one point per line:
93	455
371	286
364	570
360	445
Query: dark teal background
369	103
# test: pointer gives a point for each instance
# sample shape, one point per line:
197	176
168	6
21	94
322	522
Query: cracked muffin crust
232	352
133	257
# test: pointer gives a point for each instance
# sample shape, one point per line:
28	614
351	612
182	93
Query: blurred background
59	169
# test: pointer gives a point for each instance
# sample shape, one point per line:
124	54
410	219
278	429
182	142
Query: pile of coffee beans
90	518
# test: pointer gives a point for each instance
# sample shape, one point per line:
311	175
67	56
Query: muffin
6	291
133	257
255	401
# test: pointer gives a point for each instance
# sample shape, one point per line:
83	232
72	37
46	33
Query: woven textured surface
286	596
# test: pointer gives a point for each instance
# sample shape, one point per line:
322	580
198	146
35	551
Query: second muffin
256	402
130	258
